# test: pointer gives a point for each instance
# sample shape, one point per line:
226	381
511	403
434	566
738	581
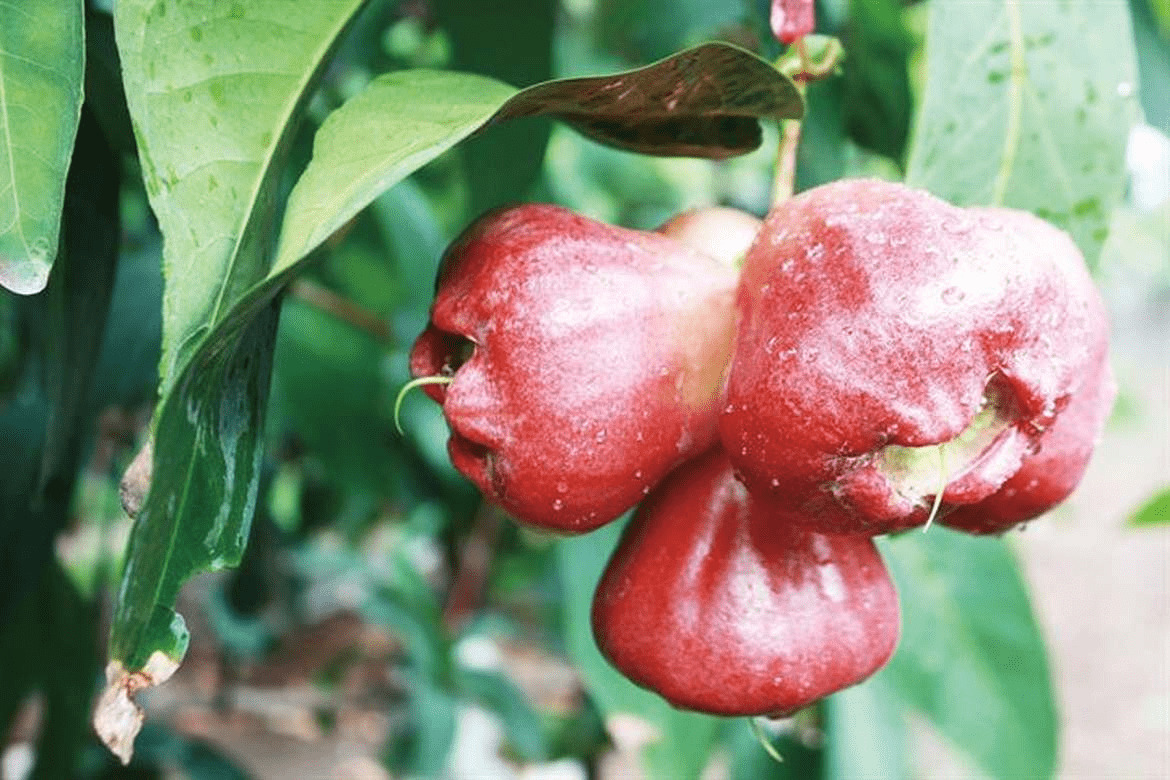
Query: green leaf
211	167
971	659
202	493
865	733
877	84
503	164
680	741
1028	108
212	172
702	102
1156	511
42	63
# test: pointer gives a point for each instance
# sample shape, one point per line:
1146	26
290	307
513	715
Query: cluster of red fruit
881	359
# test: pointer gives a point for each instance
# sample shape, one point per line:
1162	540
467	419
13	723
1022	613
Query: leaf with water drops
1028	108
215	92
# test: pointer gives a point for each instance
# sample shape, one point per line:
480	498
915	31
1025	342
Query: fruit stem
942	486
406	388
802	67
784	185
765	743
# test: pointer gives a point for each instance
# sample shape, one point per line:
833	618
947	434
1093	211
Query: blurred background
387	623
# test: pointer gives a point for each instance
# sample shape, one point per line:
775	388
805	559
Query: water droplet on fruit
639	436
743	450
558	505
645	490
599	437
775	482
953	295
637	475
729	409
562	487
664	371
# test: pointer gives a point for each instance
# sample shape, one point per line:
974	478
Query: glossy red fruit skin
599	357
873	314
721	606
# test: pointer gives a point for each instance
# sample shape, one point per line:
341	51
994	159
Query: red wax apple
585	360
721	232
720	605
891	346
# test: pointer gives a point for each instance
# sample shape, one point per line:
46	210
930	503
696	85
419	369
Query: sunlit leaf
1028	108
42	61
704	102
215	93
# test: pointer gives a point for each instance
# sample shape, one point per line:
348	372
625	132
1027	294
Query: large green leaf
215	92
971	659
678	742
1028	108
42	62
702	102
